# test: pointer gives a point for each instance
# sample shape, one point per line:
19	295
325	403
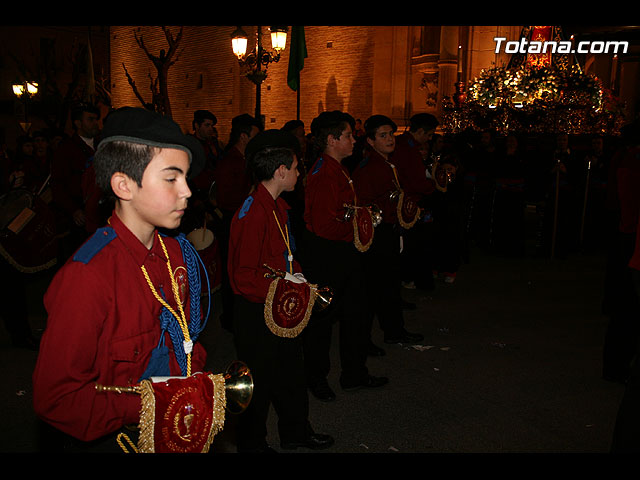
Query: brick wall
337	74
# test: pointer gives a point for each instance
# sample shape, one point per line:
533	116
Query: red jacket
411	170
255	240
328	188
374	181
232	180
103	322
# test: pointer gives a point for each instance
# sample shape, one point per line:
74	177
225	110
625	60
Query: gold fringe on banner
149	425
362	247
403	223
278	330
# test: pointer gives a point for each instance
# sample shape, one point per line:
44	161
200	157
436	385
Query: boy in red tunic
331	258
377	182
261	235
105	315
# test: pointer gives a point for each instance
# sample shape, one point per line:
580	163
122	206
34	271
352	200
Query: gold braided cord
353	189
286	240
182	321
129	442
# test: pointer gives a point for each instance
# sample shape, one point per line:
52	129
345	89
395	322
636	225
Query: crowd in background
510	195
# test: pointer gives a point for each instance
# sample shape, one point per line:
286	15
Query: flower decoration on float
536	97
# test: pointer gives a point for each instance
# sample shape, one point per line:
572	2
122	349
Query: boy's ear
121	185
281	171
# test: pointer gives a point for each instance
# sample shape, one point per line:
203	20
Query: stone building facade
393	70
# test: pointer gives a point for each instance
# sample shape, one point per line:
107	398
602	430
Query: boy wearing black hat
124	307
271	311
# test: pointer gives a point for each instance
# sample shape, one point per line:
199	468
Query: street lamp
253	62
24	91
30	88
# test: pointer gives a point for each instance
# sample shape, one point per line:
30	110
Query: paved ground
511	362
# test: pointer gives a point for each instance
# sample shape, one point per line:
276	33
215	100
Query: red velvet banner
180	415
363	229
288	307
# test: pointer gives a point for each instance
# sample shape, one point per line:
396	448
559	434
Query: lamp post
24	91
253	62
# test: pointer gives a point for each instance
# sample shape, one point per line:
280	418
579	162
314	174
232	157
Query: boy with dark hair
270	314
376	181
233	184
332	256
68	165
418	187
203	124
124	308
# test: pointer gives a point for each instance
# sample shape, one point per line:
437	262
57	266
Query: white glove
295	278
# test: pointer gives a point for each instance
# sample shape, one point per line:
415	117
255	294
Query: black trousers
338	265
416	259
277	367
381	264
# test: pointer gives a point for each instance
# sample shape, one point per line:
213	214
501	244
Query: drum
206	244
28	238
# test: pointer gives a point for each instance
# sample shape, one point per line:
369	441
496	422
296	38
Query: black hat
138	125
272	138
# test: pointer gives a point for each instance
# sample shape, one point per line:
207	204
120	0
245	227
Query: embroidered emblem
182	279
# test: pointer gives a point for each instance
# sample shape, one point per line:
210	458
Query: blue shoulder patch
245	207
96	243
318	166
363	162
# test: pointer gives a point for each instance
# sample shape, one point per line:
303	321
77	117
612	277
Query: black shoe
368	382
322	391
315	441
404	337
375	351
408	305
